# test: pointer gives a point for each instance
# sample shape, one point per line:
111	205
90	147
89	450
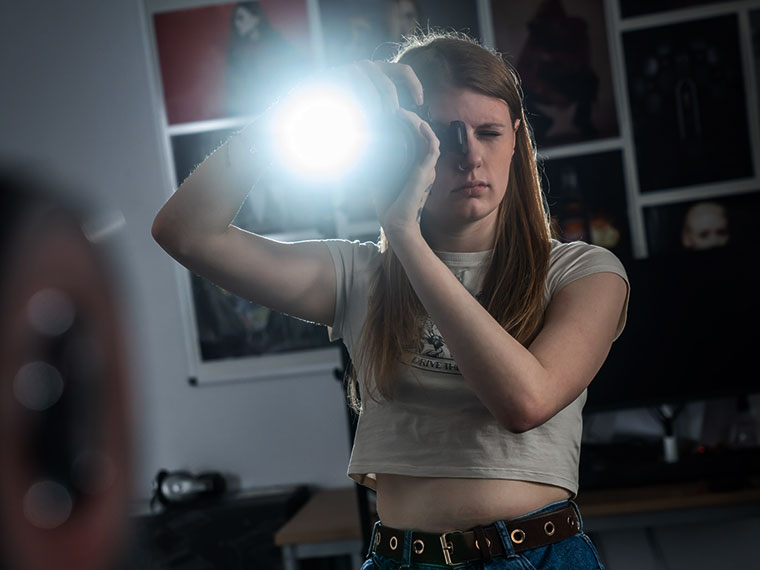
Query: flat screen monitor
692	331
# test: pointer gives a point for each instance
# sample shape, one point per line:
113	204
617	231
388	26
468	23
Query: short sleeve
571	261
354	263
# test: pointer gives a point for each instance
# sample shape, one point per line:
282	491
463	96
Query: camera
395	148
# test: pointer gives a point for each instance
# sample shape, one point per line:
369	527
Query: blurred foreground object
64	437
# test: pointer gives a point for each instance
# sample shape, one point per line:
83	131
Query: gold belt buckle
448	548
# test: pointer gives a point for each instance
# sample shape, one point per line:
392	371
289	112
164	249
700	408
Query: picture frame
227	59
703	223
587	201
230	338
237	335
687	97
560	51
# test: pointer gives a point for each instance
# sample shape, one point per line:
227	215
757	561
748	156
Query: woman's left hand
400	214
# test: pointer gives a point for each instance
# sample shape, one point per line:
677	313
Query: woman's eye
489	134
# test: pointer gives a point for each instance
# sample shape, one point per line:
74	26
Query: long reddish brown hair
514	282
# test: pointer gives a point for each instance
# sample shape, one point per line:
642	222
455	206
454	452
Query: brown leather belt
456	547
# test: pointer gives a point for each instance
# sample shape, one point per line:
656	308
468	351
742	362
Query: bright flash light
321	131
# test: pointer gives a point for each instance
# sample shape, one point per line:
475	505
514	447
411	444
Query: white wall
78	106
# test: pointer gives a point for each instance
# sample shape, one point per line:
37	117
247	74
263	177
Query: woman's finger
382	82
405	78
433	148
428	140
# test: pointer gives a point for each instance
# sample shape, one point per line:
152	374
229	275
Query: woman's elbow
162	232
519	425
158	230
523	418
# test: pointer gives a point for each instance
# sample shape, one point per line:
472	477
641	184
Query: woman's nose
472	158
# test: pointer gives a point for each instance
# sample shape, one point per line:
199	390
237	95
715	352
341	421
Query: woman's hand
390	89
384	87
400	213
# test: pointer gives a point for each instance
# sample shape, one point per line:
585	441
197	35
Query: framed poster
218	64
688	103
560	51
702	224
225	325
372	29
587	200
230	59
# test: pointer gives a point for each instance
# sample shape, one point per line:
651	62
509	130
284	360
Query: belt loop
375	529
577	514
482	543
408	548
509	549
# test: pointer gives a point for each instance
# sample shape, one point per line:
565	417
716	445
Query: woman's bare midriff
438	505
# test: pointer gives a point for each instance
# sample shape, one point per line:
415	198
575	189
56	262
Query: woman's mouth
473	188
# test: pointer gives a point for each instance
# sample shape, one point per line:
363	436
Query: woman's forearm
505	376
522	387
208	200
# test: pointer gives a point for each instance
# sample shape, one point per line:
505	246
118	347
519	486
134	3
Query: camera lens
396	147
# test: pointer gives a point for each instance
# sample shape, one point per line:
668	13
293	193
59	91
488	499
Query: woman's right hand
395	86
382	86
400	210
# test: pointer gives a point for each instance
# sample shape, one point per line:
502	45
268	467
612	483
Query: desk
672	503
673	526
327	525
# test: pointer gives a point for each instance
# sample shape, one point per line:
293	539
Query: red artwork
230	59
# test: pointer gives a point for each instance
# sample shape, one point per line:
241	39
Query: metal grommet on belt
571	521
377	539
419	546
488	543
517	536
549	528
394	543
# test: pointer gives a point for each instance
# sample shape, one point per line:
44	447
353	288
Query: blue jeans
576	552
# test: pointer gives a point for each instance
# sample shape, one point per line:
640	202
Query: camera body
396	148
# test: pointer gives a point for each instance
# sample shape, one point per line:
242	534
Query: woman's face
469	187
247	24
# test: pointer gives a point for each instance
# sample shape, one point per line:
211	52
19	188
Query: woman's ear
515	126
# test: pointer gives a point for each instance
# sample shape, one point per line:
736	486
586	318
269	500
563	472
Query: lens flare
321	131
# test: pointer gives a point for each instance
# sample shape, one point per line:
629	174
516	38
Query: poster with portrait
373	29
230	59
227	325
697	225
688	103
587	200
560	50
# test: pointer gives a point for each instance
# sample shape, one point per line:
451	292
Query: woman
471	401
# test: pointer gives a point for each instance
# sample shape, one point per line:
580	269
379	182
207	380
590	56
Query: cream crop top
435	426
